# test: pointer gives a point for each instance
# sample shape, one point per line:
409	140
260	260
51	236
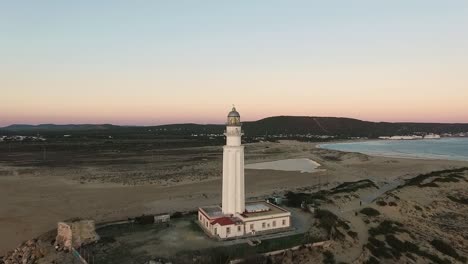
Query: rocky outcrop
27	253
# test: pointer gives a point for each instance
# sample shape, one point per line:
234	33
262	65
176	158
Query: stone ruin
70	234
75	233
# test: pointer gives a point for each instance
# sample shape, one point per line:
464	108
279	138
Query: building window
200	217
251	227
274	223
238	228
215	231
263	225
228	230
284	222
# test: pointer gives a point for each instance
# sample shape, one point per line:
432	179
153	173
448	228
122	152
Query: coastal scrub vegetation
331	222
394	248
462	200
447	249
450	175
353	186
297	199
328	257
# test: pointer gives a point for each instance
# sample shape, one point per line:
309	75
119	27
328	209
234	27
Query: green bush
353	186
328	257
375	242
381	203
372	260
387	227
379	252
370	211
296	199
462	200
327	219
176	215
446	249
352	234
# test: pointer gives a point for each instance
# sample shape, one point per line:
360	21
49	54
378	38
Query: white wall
267	224
234	230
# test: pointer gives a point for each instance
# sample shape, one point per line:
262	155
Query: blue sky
146	62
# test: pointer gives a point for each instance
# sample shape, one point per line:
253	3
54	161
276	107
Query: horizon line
194	123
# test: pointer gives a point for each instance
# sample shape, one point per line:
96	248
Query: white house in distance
236	218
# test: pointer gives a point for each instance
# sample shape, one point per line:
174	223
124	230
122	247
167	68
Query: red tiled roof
223	221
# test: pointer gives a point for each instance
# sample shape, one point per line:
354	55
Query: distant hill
286	125
53	127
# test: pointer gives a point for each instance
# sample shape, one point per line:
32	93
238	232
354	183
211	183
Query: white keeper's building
235	217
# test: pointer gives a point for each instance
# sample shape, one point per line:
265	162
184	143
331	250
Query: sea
444	148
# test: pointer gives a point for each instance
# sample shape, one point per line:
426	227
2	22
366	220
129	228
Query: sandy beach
34	200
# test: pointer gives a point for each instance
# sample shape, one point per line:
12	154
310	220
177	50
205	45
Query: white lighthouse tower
233	167
235	218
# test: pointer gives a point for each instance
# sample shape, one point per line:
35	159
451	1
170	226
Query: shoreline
390	154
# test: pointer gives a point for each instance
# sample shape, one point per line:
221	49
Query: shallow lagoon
302	165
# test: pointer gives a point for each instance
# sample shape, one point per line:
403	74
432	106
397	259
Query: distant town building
236	218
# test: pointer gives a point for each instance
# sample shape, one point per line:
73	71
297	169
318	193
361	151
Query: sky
158	62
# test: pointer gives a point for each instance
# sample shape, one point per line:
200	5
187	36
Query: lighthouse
235	217
233	200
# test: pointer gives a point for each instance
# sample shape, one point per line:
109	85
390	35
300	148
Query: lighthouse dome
233	118
233	113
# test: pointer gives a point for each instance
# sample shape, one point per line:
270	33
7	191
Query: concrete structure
235	218
163	218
